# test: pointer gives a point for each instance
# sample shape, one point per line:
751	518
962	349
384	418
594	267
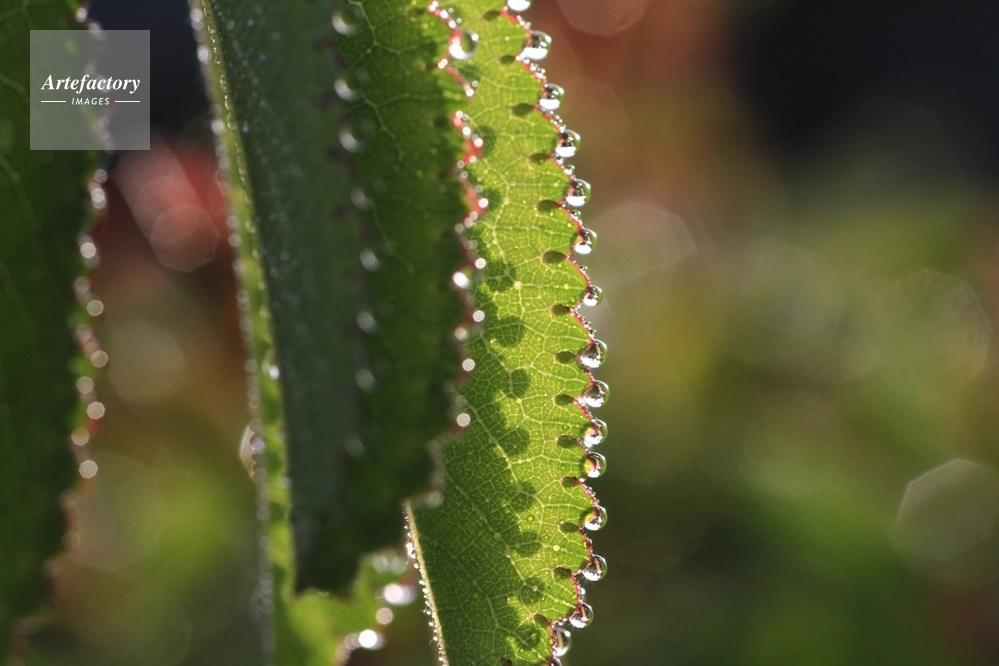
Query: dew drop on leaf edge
537	47
593	355
586	242
348	86
348	140
347	20
568	144
596	518
578	193
463	45
595	396
595	433
592	296
594	464
582	616
369	260
561	640
551	97
595	569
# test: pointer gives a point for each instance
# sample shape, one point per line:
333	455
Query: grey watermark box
89	89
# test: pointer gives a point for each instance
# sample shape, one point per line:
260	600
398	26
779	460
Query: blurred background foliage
797	211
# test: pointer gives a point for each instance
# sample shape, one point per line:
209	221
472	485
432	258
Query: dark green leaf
43	207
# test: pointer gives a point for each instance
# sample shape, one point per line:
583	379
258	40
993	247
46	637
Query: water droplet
593	355
518	5
249	445
463	279
366	321
80	436
95	308
586	242
561	638
360	199
95	410
568	144
596	518
97	198
273	371
99	359
365	379
347	20
384	616
468	365
592	296
537	47
594	569
551	98
369	639
479	316
595	396
461	334
370	260
401	595
88	250
578	193
595	464
555	661
463	420
84	385
582	616
348	86
354	447
88	469
595	433
463	45
349	140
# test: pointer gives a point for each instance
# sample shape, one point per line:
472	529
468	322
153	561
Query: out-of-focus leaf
43	207
347	250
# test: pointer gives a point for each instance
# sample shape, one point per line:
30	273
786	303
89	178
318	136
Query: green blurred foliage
792	351
43	211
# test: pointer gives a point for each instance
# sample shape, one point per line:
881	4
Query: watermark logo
89	89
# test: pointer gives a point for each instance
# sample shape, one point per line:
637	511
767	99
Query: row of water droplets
592	355
84	333
400	593
242	239
93	408
100	124
347	19
462	46
267	371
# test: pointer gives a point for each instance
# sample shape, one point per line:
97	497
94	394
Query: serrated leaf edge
462	120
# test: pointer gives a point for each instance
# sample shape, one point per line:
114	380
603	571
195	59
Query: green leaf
347	251
499	555
43	207
363	356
